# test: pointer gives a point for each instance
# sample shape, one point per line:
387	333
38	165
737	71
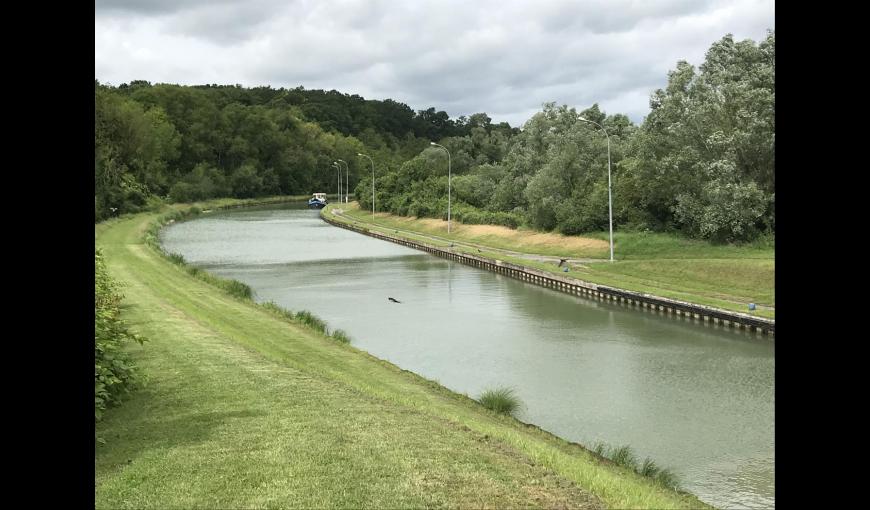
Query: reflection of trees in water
576	311
536	302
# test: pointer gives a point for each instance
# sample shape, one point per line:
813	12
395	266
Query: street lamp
609	196
373	182
338	167
346	180
448	183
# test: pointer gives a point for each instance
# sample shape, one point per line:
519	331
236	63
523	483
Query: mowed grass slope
723	276
243	409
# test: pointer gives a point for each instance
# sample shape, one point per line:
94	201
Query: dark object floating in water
394	300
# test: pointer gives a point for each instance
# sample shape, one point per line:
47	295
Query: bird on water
394	300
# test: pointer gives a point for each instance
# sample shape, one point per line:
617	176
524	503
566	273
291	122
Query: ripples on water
693	397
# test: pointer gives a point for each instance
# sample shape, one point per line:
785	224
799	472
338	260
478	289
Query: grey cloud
223	24
605	16
502	58
151	7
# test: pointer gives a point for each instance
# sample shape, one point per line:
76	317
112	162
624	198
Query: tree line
701	163
158	142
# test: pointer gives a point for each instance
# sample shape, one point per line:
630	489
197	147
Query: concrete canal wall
581	288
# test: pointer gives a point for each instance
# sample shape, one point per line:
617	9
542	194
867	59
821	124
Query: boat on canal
318	201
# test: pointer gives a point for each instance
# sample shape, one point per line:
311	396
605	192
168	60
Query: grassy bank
244	409
723	276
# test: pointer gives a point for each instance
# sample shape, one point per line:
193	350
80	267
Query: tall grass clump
500	400
114	373
600	449
307	319
176	258
667	478
236	288
624	456
277	310
341	336
312	321
649	468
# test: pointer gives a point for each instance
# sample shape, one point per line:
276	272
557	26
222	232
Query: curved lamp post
346	180
338	167
448	182
609	196
373	181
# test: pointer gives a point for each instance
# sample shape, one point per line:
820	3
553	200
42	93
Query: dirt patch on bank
525	237
473	233
536	238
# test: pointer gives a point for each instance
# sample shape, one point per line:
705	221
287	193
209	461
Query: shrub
311	320
341	336
235	288
624	456
114	373
505	219
599	449
649	468
667	478
500	400
277	310
725	209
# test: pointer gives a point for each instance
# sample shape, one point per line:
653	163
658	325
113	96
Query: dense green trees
701	163
191	143
194	143
549	176
706	151
133	149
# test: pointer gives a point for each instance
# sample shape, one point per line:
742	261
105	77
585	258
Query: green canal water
693	397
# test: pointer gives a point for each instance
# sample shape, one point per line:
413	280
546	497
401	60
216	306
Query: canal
696	398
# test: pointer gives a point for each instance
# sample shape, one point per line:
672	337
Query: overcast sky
505	58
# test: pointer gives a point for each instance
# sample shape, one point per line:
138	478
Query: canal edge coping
583	288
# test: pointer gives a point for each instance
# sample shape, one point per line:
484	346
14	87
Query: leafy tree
707	147
245	181
133	149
